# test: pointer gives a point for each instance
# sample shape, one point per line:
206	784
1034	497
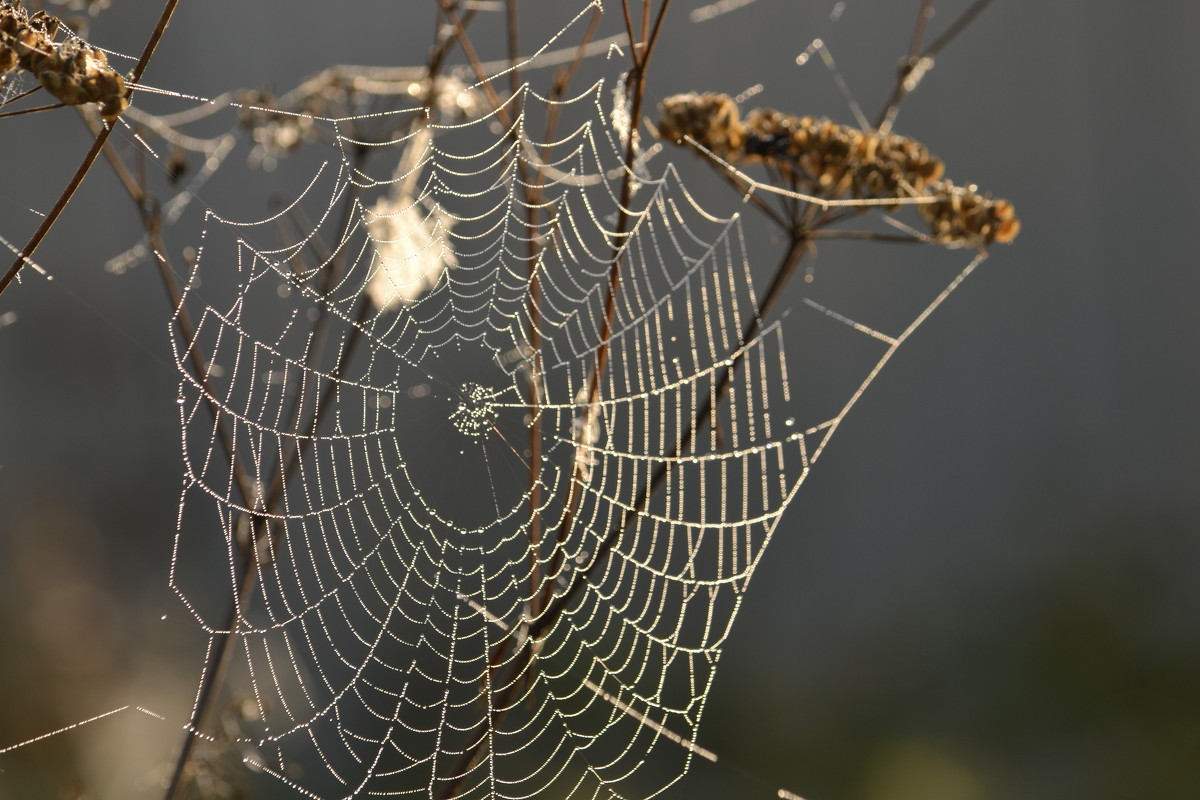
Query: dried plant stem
533	335
919	62
152	223
220	650
33	110
263	531
21	96
520	638
93	153
783	274
533	201
641	52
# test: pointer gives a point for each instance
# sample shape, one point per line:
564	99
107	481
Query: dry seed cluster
961	214
838	161
73	71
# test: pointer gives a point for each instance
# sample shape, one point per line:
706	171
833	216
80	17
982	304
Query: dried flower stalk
839	161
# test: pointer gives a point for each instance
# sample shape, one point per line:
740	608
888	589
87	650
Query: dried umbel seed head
73	72
79	74
964	217
24	40
835	161
770	135
711	119
893	166
13	19
824	151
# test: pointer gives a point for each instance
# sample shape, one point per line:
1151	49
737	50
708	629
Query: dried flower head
963	216
825	158
73	71
711	119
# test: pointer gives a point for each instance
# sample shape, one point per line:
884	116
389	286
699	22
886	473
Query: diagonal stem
783	274
919	62
263	531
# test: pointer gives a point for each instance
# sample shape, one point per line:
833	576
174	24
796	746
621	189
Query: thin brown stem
262	532
637	87
33	110
578	580
152	223
919	62
514	50
869	236
329	276
533	334
498	704
219	654
21	96
533	192
468	49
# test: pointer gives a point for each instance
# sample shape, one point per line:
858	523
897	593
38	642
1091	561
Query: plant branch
21	96
918	62
33	110
263	531
783	274
152	223
637	87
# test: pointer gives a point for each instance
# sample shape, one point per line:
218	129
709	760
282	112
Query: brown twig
152	223
919	62
21	96
641	55
33	110
518	637
220	653
783	273
533	201
263	531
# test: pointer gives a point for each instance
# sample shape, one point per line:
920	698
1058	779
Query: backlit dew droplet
790	421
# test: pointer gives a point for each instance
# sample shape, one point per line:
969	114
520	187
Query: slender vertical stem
641	53
533	334
518	638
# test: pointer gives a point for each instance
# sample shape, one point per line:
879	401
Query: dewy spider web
400	557
437	605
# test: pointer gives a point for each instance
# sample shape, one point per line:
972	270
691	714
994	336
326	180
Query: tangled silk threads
838	161
73	71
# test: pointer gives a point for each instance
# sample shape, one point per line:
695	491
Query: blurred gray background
985	590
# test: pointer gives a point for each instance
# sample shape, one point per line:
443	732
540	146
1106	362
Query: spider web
459	519
400	555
